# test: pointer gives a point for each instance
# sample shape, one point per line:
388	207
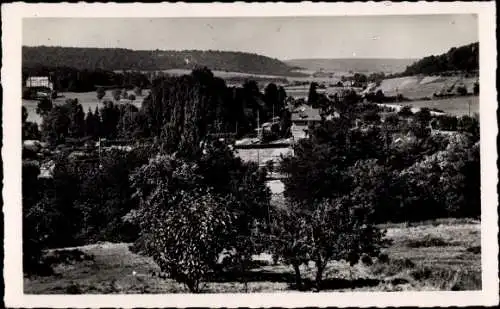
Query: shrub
333	229
383	258
366	259
30	131
194	218
427	241
100	93
116	94
44	106
138	91
461	90
395	267
474	249
183	226
73	288
466	281
476	88
405	111
34	240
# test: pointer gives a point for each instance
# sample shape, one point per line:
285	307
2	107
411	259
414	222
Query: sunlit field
435	255
87	99
458	106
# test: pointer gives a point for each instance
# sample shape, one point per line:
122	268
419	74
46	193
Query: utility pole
259	132
468	102
259	136
100	164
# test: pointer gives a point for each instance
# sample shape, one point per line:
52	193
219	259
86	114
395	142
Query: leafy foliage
216	183
33	234
100	93
29	129
463	58
44	106
180	222
331	229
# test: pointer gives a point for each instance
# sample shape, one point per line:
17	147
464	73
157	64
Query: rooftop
306	113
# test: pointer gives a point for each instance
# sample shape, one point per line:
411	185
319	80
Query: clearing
457	106
86	99
419	86
437	255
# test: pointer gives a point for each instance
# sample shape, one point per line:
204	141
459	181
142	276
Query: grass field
415	87
457	106
436	255
353	64
87	99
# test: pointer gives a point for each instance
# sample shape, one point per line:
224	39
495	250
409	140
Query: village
253	148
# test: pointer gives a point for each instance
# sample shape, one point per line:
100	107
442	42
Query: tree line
112	59
70	79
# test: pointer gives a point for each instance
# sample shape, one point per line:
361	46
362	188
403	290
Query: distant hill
113	59
361	65
463	59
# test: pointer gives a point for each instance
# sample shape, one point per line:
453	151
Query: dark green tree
100	93
116	94
476	88
312	97
24	114
55	125
44	106
110	117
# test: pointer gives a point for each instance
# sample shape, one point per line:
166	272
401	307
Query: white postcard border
12	15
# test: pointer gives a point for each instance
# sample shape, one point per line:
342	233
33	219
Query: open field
224	74
87	99
435	255
457	106
360	65
415	87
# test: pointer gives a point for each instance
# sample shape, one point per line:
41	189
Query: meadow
457	106
442	254
87	99
417	87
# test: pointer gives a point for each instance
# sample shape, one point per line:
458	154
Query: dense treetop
126	59
463	58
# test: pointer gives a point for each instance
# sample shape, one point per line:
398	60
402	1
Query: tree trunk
319	274
298	279
193	286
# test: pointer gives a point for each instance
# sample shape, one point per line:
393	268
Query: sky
411	36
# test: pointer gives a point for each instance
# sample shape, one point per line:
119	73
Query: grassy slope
429	256
421	86
458	106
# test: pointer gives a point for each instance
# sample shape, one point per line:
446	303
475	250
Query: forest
113	59
463	59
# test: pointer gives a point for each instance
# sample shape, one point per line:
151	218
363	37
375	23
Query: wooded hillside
126	59
464	58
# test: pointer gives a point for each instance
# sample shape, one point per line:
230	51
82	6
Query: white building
39	81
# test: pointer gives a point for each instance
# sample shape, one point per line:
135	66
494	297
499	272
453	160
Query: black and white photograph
241	154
